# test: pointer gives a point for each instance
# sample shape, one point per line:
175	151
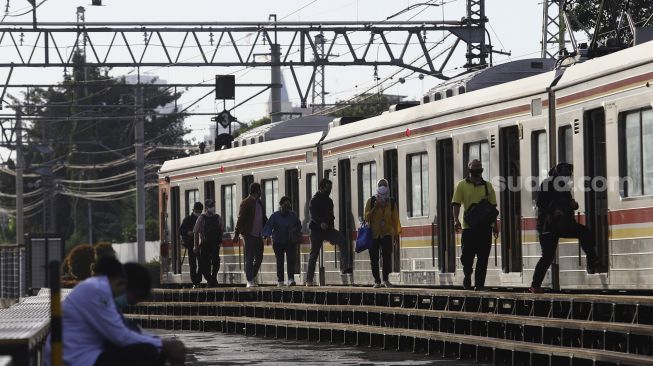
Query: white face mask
211	210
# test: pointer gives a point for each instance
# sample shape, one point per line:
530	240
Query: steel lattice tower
319	93
553	29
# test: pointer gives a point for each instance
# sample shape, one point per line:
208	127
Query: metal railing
12	272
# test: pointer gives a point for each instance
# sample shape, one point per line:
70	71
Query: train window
437	96
366	184
636	150
565	145
478	150
192	196
229	208
449	93
209	189
270	195
418	185
539	157
311	185
461	90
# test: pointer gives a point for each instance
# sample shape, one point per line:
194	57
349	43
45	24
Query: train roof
242	152
496	94
608	64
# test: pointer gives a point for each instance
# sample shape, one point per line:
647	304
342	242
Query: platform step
619	337
607	308
477	348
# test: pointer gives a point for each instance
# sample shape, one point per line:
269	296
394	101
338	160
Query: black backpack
481	214
212	229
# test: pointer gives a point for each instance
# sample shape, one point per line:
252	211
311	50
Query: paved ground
228	349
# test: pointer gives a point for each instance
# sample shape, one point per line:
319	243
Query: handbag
365	238
481	214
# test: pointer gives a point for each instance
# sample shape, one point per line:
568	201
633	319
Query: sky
514	25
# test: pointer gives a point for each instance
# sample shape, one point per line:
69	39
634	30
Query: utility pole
90	222
275	92
553	28
139	122
20	166
318	84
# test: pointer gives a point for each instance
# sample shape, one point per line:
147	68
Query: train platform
502	328
24	327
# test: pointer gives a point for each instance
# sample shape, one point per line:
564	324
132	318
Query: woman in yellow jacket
382	215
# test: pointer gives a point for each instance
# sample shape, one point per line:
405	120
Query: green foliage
585	13
253	124
366	106
151	229
79	261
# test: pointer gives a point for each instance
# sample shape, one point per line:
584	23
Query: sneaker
309	283
292	283
251	284
350	279
386	284
377	285
479	288
467	283
536	290
281	283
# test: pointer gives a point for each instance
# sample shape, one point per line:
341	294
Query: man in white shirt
91	319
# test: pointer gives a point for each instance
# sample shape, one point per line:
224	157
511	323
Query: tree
365	106
585	14
252	125
88	121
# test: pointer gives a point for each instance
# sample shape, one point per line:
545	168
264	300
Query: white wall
127	252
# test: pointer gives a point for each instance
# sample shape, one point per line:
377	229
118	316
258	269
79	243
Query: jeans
384	245
318	237
193	259
210	263
549	244
289	250
253	256
142	354
477	243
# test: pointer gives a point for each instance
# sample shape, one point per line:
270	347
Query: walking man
208	238
555	220
250	223
382	214
188	238
285	228
322	229
479	223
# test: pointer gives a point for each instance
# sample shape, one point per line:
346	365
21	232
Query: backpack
481	214
212	229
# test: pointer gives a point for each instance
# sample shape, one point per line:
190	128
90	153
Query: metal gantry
553	28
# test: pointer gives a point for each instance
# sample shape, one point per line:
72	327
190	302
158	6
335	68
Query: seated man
91	320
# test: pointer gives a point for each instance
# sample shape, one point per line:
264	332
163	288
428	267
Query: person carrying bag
382	214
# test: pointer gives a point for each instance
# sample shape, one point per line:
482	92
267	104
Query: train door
596	194
292	191
175	222
345	214
446	233
247	181
511	243
391	173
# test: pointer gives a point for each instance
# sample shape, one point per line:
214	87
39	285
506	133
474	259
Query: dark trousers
549	244
318	237
384	245
193	259
253	256
210	263
289	250
134	355
477	243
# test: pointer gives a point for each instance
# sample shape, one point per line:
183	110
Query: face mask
121	301
211	210
196	214
476	172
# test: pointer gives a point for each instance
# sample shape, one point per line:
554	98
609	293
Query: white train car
597	115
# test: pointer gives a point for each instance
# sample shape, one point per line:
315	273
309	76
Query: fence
13	283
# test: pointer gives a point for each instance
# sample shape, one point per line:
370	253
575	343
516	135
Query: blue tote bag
365	238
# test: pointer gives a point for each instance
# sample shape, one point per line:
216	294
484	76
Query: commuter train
598	114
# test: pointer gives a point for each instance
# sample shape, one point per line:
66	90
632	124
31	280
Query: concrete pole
90	222
140	173
20	165
275	92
